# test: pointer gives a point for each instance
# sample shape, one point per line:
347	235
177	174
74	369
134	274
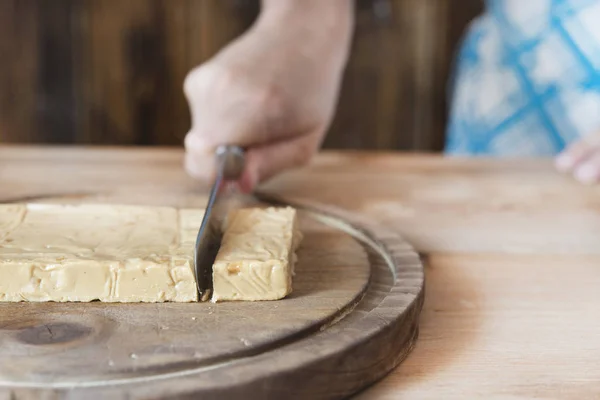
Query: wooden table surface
512	252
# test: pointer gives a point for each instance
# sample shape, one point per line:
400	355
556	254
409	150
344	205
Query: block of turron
257	255
97	252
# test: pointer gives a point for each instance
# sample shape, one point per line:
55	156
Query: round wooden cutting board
352	317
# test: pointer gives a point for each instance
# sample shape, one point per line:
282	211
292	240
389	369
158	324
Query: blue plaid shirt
527	79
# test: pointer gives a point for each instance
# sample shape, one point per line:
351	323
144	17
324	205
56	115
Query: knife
230	162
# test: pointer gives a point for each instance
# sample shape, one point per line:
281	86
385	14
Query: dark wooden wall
111	71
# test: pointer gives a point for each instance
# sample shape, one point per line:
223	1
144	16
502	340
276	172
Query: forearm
319	26
330	13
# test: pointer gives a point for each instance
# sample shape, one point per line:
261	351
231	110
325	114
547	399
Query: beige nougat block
257	255
96	252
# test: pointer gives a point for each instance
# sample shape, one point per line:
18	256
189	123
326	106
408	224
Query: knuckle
190	83
189	142
201	79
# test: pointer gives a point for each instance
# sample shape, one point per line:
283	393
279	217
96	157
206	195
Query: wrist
330	20
305	6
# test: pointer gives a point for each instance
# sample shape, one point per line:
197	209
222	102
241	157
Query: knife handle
231	162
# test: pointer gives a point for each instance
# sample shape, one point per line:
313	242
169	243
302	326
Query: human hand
273	91
582	160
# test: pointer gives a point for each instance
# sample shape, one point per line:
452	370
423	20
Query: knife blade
230	162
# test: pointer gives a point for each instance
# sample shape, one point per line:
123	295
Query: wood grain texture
18	74
352	318
132	67
106	72
495	325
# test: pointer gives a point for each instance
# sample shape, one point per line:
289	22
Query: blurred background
110	72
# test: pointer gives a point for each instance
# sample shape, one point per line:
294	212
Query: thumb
265	161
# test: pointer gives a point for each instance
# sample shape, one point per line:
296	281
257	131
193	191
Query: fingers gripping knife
230	166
